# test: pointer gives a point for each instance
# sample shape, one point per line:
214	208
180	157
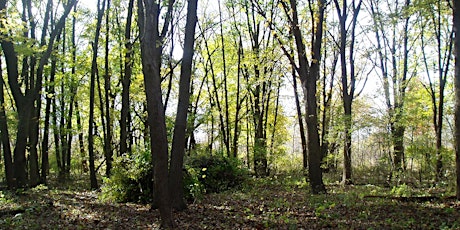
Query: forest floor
274	203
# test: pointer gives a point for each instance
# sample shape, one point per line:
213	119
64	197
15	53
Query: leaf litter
258	206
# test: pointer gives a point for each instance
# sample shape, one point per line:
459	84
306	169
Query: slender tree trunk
327	90
5	137
63	119
224	79
180	127
126	82
303	137
457	92
108	119
443	70
92	168
73	92
348	82
84	164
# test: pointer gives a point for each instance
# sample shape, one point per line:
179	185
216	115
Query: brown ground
271	204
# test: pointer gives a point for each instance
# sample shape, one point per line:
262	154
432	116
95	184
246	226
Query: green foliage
193	188
216	173
131	179
402	190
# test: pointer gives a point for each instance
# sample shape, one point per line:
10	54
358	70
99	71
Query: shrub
217	173
131	179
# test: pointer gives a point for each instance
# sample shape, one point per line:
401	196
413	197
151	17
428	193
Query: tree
126	81
348	82
308	71
4	135
94	73
443	38
456	28
152	44
29	96
392	40
107	89
180	126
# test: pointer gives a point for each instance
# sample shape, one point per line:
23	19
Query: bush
131	179
217	173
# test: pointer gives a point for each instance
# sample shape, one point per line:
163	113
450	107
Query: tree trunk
73	92
224	69
5	137
308	76
92	168
303	137
108	120
126	82
84	164
348	82
151	55
457	92
180	127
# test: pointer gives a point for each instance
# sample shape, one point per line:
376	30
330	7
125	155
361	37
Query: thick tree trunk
151	55
34	170
308	76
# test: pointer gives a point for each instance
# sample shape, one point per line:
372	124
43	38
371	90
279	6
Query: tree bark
348	80
25	100
456	10
303	137
126	82
5	137
108	120
92	168
151	55
180	127
309	73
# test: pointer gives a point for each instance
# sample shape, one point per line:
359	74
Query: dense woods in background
317	86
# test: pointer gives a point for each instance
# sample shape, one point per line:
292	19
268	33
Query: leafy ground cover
273	203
